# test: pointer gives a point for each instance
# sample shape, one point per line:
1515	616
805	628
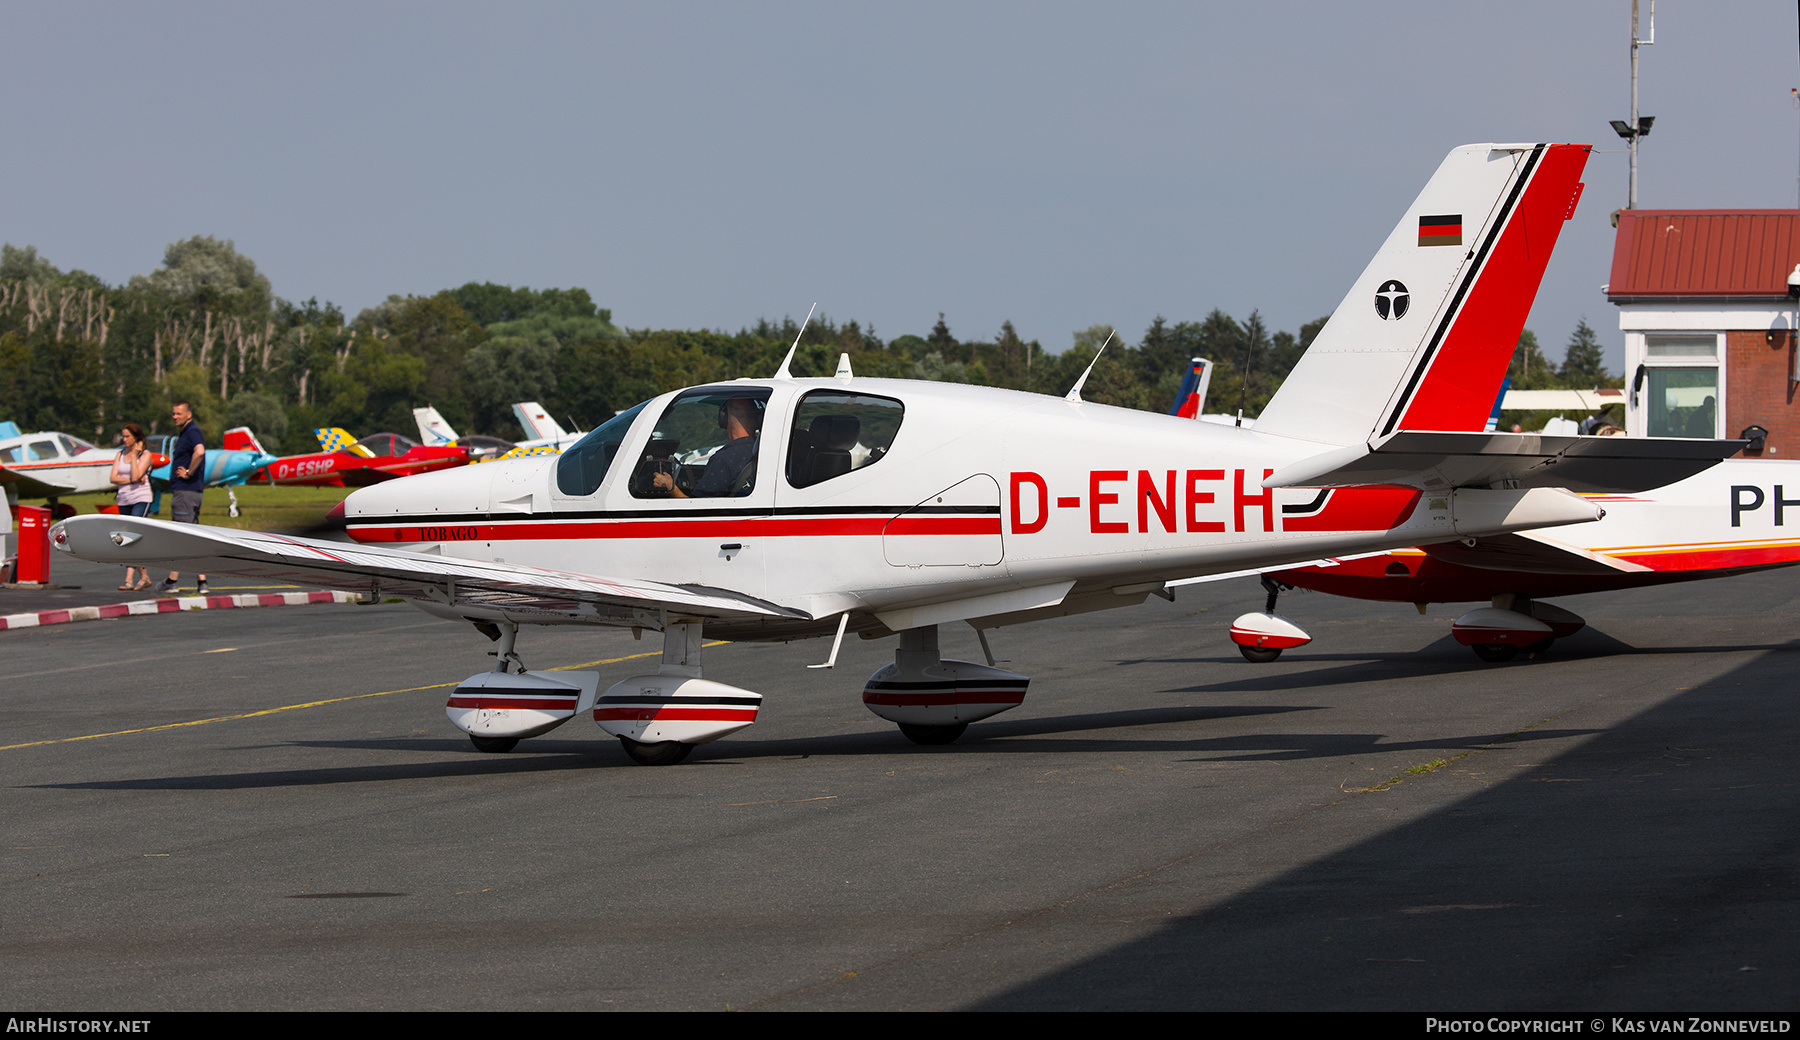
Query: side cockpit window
836	433
705	445
584	464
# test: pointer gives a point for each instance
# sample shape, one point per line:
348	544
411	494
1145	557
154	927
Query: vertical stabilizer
536	422
242	438
433	430
332	438
1424	336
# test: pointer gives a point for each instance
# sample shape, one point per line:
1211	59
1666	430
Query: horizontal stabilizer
1432	461
474	586
1528	553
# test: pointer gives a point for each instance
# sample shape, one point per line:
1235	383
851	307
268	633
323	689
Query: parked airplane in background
434	431
1727	520
348	463
240	459
544	436
1731	519
50	465
775	509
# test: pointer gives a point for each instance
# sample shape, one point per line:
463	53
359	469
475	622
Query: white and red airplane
50	465
1730	519
784	508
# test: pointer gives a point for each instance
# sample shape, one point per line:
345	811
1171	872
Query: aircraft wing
1434	461
1528	552
446	581
30	486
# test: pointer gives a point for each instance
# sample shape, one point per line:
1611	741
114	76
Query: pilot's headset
755	414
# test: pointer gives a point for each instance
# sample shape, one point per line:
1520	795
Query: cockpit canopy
706	442
387	444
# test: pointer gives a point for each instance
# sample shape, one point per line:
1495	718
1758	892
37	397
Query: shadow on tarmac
1655	867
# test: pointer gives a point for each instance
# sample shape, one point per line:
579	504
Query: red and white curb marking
166	606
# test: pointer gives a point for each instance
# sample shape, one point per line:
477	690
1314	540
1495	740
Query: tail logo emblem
1391	300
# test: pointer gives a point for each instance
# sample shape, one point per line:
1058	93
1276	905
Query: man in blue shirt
187	479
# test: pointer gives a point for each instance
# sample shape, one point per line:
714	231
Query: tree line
82	356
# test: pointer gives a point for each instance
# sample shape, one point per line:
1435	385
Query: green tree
262	413
207	271
24	265
1529	369
1583	366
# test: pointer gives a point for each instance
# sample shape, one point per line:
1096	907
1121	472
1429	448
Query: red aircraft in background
347	463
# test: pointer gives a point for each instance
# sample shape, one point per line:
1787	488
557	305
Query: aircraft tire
493	745
1259	654
662	753
933	736
1494	653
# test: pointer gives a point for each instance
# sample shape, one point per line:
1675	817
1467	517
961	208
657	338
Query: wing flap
448	581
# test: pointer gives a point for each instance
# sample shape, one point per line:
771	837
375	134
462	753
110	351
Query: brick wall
1759	389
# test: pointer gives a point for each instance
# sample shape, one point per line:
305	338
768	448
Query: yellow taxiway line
310	704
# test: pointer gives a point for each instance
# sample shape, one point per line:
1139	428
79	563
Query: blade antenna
1074	393
782	372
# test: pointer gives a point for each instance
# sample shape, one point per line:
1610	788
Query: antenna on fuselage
1074	393
782	372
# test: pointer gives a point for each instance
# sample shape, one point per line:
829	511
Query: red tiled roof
1704	252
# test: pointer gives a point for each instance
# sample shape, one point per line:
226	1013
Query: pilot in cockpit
732	468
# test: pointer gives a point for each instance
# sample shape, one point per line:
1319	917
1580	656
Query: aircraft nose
448	492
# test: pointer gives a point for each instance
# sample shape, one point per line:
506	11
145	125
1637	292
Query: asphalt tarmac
266	809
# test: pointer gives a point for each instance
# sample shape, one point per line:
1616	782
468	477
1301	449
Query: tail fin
433	430
536	422
1190	399
331	438
1425	335
242	438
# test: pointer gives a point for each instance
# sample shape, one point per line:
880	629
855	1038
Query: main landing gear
658	718
1497	633
1261	636
934	700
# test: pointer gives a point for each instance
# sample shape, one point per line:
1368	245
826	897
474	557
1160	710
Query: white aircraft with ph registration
776	509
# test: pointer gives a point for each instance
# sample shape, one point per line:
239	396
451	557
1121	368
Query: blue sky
702	164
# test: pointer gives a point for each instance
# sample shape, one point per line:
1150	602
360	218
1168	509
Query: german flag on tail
1443	230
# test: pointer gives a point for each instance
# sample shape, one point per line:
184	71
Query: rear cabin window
705	445
584	464
837	433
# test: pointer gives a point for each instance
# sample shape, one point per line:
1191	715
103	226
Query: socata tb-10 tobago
785	508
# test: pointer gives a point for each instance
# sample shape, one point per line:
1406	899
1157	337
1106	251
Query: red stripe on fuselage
1457	392
701	527
1359	509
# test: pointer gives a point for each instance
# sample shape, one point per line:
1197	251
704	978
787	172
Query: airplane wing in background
448	584
1433	461
30	486
1526	552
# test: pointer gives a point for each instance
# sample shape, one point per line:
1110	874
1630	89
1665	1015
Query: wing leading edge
439	581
